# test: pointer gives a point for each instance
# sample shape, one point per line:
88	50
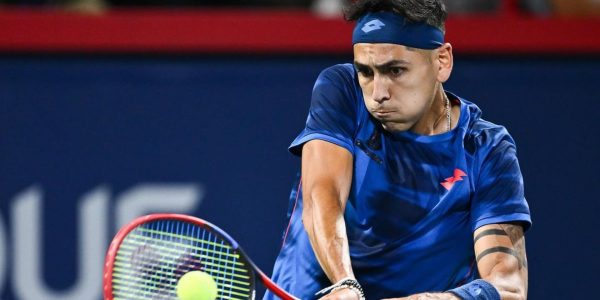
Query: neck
435	120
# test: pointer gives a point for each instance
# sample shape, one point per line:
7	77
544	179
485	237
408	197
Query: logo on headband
372	25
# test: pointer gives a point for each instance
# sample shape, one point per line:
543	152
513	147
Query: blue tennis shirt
415	200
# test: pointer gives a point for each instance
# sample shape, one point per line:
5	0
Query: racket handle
275	288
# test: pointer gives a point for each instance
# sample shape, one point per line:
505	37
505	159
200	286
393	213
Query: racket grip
275	288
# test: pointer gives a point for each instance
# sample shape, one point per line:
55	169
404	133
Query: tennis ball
196	285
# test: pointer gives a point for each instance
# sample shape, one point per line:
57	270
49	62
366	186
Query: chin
395	127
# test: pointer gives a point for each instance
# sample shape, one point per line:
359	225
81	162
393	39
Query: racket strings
153	257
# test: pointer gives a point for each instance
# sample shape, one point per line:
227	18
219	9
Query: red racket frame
123	232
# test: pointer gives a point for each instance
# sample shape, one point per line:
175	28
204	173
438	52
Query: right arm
326	180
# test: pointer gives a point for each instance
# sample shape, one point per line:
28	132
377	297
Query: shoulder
337	87
483	136
341	75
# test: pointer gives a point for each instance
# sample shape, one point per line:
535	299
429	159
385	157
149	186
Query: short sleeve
499	194
333	113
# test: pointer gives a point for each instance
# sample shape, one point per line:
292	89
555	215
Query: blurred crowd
327	7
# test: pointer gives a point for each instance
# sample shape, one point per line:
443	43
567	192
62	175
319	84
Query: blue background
70	124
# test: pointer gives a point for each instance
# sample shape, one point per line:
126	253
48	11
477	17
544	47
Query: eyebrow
384	66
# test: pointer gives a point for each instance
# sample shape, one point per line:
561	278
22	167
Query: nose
381	91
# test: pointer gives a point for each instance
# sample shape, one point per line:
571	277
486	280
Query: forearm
324	222
326	180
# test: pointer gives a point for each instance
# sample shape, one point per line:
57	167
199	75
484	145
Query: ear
445	62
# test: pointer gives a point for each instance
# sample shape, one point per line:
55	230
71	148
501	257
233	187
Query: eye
365	72
396	71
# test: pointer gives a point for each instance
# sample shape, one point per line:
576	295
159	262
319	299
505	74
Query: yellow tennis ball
196	285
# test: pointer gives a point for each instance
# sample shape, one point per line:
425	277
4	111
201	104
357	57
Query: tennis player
406	192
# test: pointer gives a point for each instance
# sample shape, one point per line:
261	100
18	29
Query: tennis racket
148	256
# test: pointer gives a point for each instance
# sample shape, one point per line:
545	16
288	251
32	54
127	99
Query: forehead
376	54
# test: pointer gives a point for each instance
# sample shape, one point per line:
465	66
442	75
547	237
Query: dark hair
432	12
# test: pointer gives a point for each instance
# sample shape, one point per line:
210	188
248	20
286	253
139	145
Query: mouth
382	113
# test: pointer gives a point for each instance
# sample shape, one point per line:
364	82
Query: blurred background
110	109
545	7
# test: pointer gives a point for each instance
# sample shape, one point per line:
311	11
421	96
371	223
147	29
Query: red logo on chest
448	183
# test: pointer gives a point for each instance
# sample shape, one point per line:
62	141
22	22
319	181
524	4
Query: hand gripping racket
149	255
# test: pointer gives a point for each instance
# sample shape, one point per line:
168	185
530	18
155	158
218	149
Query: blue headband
392	28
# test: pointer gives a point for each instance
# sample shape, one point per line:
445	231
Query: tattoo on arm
515	234
522	263
489	232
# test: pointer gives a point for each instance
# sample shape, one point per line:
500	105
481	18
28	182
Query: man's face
398	83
